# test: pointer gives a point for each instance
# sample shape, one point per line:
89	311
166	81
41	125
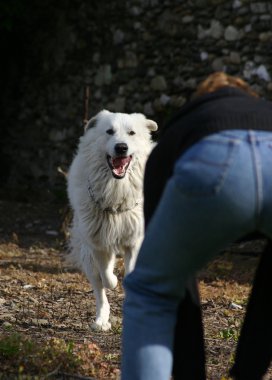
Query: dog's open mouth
119	165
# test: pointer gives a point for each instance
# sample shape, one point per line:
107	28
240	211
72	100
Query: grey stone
58	135
231	33
130	60
96	57
157	105
148	109
151	72
216	29
236	4
259	7
118	105
158	83
265	17
262	73
269	87
187	19
248	28
218	64
190	83
135	11
97	94
103	76
177	101
265	36
118	37
164	99
249	70
201	32
204	55
235	58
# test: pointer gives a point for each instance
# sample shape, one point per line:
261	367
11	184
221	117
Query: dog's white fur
108	211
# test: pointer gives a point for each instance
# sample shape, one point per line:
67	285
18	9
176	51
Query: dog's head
120	139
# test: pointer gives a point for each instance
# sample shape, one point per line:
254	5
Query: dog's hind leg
130	257
102	305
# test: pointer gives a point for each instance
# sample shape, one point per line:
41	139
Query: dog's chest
116	229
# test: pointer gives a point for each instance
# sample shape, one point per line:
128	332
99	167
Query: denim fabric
220	191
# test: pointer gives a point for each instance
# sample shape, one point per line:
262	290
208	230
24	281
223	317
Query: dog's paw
100	325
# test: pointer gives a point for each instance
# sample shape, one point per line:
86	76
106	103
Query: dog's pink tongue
120	162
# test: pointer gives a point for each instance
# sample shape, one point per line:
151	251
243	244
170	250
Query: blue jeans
221	190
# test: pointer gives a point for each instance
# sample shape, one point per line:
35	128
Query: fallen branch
68	376
62	172
86	105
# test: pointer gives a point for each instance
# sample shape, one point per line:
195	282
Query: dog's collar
110	210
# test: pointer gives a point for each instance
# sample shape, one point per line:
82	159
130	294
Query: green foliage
10	346
28	356
229	333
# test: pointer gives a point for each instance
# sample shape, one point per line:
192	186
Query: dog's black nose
121	148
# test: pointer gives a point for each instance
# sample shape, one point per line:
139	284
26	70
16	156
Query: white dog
105	189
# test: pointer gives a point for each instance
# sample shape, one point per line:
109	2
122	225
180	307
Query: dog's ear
90	124
151	125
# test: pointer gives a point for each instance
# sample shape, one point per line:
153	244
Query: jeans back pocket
203	168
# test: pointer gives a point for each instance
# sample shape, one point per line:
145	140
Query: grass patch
34	359
27	356
229	333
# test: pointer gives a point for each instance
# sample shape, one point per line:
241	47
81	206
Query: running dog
105	190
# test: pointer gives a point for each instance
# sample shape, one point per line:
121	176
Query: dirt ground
43	299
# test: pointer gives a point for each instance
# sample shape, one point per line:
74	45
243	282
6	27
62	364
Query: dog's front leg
102	305
101	322
105	262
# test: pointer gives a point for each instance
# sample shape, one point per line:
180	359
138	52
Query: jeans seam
258	174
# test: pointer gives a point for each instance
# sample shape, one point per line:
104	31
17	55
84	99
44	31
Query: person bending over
211	183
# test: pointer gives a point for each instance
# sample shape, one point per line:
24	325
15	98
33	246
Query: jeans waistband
244	135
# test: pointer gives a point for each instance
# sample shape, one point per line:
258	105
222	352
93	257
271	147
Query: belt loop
252	136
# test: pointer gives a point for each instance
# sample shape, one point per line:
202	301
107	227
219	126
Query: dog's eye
131	133
110	131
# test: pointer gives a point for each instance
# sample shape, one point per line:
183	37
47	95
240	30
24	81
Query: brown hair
220	79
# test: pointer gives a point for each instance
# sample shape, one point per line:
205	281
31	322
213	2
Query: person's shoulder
191	107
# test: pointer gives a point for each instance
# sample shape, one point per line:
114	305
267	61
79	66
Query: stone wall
135	56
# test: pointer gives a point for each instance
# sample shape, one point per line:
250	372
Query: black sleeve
158	170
